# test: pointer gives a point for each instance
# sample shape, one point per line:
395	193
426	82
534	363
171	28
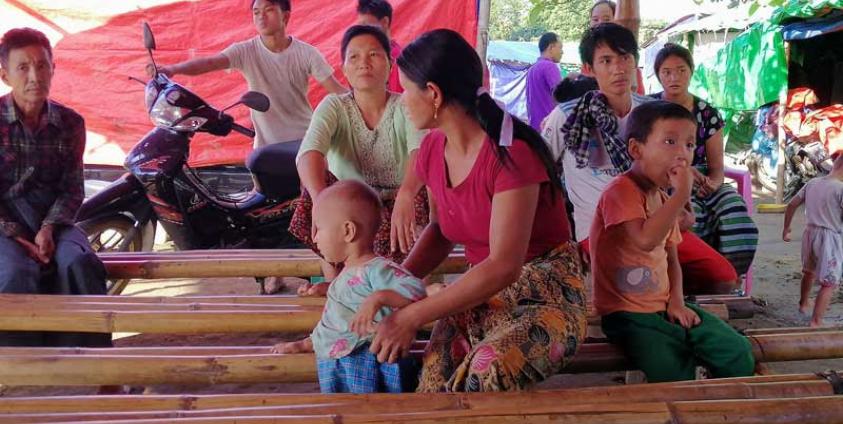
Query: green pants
668	352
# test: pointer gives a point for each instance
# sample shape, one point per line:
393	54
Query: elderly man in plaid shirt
41	188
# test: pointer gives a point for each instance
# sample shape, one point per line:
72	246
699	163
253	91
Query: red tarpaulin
98	44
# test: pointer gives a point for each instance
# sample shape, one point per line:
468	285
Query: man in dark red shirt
379	13
41	188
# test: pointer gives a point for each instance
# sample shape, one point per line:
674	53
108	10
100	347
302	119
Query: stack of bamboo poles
803	398
230	263
242	364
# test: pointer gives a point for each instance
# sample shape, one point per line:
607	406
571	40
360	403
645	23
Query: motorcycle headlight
163	114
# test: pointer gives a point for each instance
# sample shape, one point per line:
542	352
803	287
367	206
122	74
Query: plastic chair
744	181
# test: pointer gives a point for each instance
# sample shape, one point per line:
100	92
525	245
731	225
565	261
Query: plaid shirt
49	158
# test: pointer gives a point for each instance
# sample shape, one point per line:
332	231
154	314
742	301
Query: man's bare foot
274	285
300	346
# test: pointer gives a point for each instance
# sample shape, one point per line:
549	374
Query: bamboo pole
244	300
512	401
223	253
763	411
789	330
219	369
100	321
721	310
755	387
235	267
815	410
177	319
418	403
418	345
769	348
158	308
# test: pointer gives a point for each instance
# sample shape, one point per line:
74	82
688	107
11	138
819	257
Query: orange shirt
627	278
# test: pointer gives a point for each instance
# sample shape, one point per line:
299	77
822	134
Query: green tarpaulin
751	71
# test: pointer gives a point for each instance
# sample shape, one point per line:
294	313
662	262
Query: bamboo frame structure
54	369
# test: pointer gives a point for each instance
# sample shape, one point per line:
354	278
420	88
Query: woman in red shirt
519	314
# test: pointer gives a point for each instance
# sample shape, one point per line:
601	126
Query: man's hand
786	234
682	315
166	70
45	242
32	250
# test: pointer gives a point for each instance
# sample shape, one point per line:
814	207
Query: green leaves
522	20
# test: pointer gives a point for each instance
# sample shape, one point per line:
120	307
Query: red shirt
394	84
465	211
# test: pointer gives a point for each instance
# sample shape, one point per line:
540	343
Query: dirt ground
776	282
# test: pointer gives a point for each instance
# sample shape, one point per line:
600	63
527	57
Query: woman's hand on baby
395	334
363	322
402	229
682	315
299	346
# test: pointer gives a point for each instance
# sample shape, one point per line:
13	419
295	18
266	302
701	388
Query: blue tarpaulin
509	85
813	28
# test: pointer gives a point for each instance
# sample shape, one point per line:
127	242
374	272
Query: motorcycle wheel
106	235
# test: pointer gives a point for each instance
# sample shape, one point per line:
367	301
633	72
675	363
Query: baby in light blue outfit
346	217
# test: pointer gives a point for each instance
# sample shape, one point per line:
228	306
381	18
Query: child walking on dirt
346	217
822	239
637	277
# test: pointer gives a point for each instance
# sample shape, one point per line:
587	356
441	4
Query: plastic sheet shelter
98	44
752	70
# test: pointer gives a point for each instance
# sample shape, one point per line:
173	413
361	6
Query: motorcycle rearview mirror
149	44
148	38
255	101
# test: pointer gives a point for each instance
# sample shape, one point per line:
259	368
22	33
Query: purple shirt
542	78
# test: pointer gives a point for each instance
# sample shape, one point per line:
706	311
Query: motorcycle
160	187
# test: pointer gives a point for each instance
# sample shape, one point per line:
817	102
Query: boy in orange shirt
637	278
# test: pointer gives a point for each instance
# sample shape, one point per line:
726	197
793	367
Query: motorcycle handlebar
248	132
